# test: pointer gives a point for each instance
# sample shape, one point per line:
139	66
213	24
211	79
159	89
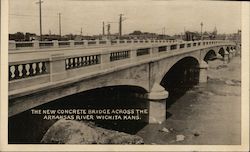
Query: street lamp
201	31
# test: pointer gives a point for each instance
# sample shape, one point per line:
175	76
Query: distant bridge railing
29	71
13	45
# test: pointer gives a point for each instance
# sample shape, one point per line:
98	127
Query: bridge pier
203	72
230	54
234	52
218	56
226	57
238	49
157	104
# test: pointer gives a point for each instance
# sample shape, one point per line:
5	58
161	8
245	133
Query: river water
206	114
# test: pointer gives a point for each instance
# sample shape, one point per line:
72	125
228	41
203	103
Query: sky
143	15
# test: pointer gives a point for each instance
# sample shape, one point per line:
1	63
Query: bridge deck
26	54
16	57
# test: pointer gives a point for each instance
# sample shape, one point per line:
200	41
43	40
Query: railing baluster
80	61
67	63
34	68
12	72
77	62
114	56
25	70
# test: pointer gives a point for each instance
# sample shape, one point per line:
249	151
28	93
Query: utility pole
60	29
81	33
163	30
103	28
40	15
201	31
49	33
120	25
184	35
108	30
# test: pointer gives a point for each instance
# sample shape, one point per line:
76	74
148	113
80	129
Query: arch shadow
182	76
210	55
222	52
28	128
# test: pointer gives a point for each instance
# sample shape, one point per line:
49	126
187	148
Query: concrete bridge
41	72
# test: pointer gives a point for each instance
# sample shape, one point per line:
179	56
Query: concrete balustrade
55	44
45	44
133	55
63	44
154	51
56	67
28	73
59	65
36	44
105	60
57	72
12	45
71	43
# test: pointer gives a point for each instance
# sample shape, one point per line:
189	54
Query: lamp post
201	31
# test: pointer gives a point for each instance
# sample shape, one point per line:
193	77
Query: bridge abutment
157	104
203	72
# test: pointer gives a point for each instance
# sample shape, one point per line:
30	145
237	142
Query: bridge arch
180	77
228	49
210	55
120	91
100	99
108	93
222	52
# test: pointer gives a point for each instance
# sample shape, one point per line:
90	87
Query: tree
136	33
19	36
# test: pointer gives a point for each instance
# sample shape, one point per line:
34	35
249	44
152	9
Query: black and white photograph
126	73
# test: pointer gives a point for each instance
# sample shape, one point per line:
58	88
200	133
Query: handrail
13	45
